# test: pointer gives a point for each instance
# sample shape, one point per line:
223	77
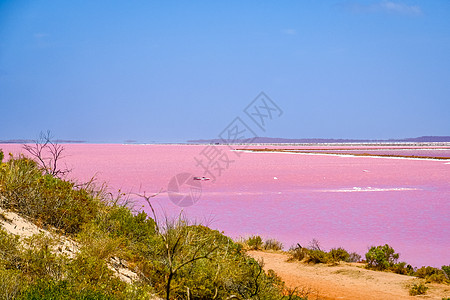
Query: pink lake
352	202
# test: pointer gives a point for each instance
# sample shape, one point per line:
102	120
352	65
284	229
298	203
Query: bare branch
48	154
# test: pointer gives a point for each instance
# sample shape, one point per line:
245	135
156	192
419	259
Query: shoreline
391	156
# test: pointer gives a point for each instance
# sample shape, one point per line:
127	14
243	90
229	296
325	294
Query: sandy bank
345	281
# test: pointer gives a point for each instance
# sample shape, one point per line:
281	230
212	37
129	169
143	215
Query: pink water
353	202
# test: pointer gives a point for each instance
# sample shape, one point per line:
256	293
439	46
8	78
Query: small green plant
297	253
254	242
1	156
339	254
418	289
317	257
381	257
272	244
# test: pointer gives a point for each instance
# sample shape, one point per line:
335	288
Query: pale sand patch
17	225
345	281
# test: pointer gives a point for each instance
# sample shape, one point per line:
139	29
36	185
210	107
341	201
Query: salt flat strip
370	189
344	155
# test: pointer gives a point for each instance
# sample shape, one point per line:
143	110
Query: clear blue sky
169	71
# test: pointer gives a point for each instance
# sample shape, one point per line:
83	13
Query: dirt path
345	281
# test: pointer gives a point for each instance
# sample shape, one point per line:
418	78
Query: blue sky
169	71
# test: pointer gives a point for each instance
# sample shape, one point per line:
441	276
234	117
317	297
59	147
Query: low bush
431	274
297	253
354	257
381	257
315	255
418	289
46	199
10	254
402	268
338	254
39	260
64	290
272	244
254	242
11	283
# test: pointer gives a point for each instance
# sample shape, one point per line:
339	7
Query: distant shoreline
258	141
350	152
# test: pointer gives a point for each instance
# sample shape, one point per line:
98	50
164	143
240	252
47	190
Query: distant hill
269	140
19	141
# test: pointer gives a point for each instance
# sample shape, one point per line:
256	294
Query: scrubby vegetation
431	274
272	244
384	258
314	254
172	259
255	242
418	289
381	257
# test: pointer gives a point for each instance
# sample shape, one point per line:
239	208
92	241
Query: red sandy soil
346	280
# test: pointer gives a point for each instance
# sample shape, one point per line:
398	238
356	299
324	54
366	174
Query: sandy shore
346	280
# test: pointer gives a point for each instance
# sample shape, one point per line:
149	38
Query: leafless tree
48	153
314	244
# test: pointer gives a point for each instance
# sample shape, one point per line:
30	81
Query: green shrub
1	156
254	242
339	254
381	257
11	283
119	221
317	256
50	289
418	289
44	198
205	264
272	244
431	274
402	268
39	260
10	255
89	272
297	253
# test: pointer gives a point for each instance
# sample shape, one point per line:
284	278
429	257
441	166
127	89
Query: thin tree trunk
169	281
